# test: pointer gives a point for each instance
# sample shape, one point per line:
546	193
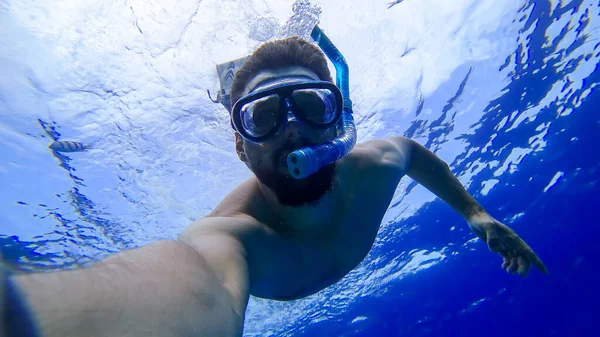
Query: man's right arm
166	288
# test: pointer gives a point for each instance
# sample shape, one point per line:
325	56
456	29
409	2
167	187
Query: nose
293	130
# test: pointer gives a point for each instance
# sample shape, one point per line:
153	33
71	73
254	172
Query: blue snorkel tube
308	160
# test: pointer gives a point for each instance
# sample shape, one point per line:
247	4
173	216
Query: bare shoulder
371	172
239	247
244	199
225	243
240	227
379	154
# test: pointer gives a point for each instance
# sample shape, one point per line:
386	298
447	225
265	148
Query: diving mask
259	115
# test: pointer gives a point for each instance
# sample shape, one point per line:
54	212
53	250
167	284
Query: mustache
289	146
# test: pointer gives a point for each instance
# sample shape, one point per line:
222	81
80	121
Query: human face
268	159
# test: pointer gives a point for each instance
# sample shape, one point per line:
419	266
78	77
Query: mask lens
259	117
317	105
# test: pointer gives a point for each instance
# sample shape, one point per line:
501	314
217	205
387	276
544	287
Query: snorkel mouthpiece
308	160
302	160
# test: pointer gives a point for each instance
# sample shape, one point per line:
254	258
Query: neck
270	198
305	221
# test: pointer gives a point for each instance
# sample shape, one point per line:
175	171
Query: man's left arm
433	173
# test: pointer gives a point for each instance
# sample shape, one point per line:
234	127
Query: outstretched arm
430	171
163	289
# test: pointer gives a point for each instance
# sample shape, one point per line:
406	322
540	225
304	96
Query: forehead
270	74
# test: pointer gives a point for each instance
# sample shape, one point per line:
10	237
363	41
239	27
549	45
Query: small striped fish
68	146
394	3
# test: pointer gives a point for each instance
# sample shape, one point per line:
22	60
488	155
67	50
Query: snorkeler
306	219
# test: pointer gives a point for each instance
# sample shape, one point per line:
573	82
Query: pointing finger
537	262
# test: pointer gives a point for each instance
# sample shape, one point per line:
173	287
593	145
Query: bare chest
323	243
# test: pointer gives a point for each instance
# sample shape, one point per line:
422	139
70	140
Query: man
274	236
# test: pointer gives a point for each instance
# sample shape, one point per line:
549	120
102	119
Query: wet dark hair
291	51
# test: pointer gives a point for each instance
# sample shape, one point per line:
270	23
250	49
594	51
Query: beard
291	191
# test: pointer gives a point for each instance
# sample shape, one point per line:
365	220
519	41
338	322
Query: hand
518	256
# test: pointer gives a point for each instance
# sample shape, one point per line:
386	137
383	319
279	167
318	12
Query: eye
317	105
260	116
265	110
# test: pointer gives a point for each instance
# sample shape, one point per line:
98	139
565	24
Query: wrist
473	212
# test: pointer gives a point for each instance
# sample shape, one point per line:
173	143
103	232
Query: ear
239	148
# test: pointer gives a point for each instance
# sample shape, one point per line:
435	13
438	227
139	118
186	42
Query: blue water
551	198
